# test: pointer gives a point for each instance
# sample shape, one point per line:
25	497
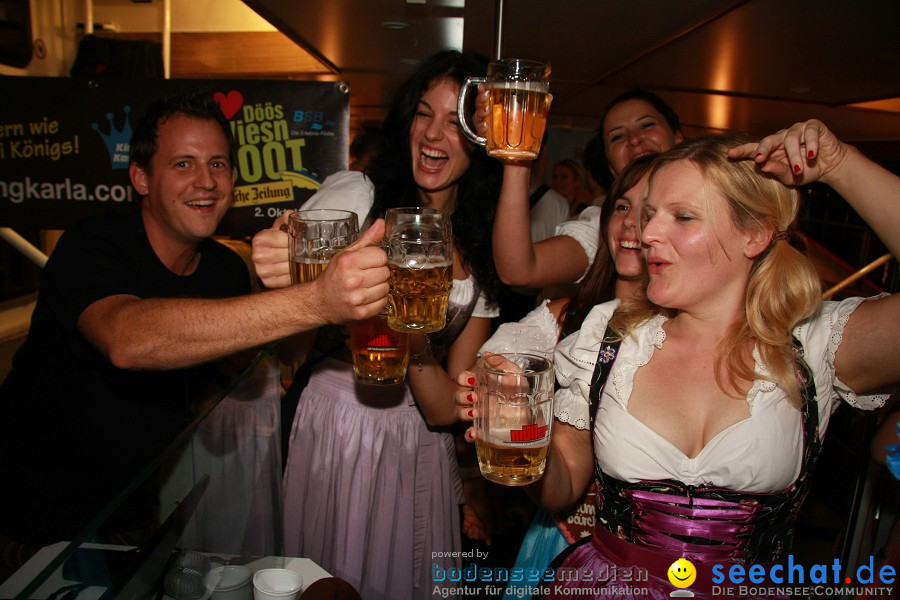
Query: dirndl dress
642	528
371	492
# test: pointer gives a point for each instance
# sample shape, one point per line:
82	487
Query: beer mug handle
461	110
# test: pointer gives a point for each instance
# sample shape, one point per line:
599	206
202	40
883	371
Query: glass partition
211	499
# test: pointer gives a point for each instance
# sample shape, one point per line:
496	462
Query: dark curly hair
477	190
198	104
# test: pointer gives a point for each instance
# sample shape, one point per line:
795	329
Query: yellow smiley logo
682	573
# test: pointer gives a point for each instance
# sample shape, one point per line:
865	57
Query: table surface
308	570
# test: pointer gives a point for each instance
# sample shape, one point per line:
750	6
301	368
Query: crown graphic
529	433
118	141
381	343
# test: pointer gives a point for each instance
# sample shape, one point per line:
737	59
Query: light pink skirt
370	491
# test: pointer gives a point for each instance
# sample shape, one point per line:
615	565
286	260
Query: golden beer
512	463
315	236
380	354
514	400
304	271
418	296
518	119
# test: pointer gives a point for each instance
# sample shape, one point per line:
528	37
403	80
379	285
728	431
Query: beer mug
419	245
514	417
519	100
316	236
380	354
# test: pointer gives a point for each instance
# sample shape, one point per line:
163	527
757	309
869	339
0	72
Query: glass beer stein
515	416
518	105
419	245
380	354
316	236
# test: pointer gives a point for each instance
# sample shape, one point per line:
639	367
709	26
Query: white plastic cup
231	582
276	584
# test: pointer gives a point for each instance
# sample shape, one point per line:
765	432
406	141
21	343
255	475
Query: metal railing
881	260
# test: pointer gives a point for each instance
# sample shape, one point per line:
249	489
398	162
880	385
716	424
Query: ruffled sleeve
821	337
461	294
537	333
586	231
344	190
574	362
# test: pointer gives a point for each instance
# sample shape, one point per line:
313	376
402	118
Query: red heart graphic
230	103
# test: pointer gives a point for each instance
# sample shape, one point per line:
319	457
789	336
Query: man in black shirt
131	309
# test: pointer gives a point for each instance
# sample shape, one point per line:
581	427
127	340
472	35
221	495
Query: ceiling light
395	25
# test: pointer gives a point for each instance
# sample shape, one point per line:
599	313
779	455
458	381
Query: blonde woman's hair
783	288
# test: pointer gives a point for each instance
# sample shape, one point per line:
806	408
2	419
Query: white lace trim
576	422
759	385
623	377
842	314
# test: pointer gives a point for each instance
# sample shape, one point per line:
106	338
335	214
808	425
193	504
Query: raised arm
518	261
807	152
160	333
558	259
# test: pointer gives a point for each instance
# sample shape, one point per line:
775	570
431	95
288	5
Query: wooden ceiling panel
722	64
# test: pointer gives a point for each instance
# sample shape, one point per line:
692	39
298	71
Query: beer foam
420	261
522	86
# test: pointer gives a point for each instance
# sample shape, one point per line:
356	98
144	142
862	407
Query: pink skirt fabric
370	492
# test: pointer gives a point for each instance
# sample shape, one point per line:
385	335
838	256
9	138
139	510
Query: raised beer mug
315	236
419	245
514	402
519	100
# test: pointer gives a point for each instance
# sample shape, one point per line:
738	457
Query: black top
74	429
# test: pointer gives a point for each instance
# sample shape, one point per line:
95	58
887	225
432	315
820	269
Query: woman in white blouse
617	272
713	391
372	488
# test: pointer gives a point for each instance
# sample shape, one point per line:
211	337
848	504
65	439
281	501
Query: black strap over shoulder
609	349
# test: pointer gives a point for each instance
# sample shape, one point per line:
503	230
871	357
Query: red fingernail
471	413
796	168
470	397
810	154
471	381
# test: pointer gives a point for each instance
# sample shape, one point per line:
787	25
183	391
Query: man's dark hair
197	104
